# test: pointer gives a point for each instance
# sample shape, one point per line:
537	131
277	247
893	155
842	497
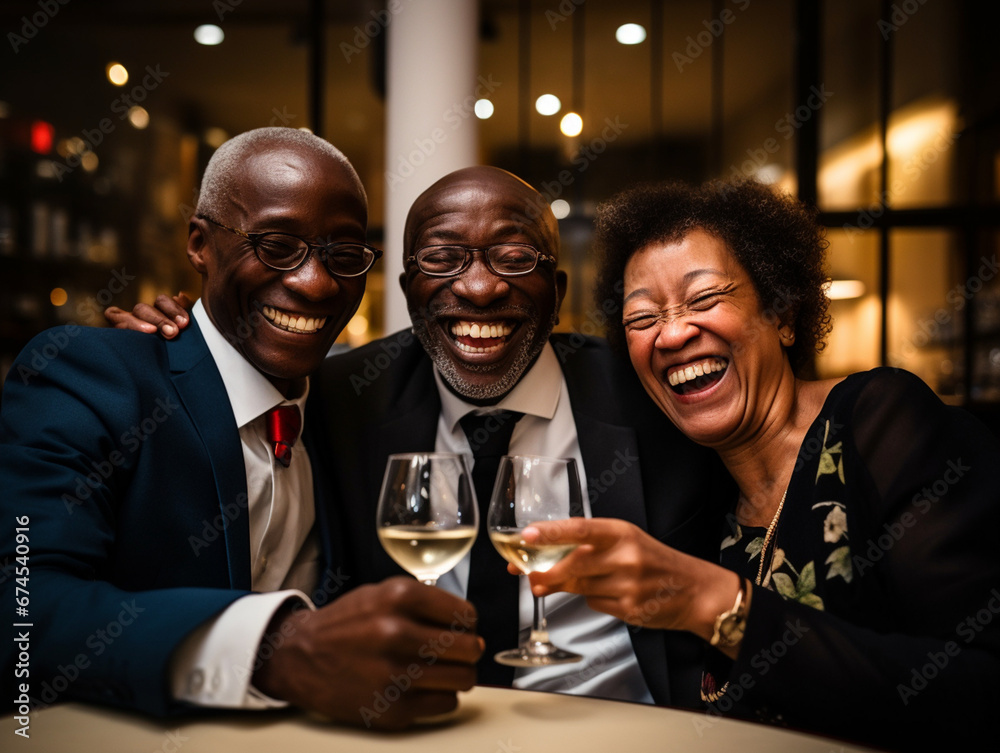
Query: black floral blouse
878	556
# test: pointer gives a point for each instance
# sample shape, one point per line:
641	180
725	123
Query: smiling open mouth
480	337
290	322
697	376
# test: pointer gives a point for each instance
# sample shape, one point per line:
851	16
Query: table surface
489	720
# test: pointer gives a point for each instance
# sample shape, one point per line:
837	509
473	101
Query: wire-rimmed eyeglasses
503	259
286	252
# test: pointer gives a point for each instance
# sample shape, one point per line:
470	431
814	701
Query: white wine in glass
530	489
528	558
427	512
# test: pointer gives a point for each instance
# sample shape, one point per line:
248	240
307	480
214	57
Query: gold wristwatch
730	625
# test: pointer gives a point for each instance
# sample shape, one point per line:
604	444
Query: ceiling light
769	174
215	137
117	74
630	34
483	108
560	208
840	290
571	124
548	104
209	34
138	117
89	161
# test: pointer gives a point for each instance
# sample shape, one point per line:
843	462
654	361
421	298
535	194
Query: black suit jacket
382	399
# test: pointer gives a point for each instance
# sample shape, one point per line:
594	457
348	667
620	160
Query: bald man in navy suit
169	538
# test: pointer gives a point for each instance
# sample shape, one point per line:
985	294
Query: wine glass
529	489
427	515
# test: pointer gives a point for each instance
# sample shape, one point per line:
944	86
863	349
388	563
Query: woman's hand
168	318
625	572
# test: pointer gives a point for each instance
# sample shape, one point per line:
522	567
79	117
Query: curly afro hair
774	237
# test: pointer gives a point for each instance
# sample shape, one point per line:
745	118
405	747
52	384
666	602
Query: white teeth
470	349
480	330
293	323
708	366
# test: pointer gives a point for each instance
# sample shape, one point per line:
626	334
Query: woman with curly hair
857	589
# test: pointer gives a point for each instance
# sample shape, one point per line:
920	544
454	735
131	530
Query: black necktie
492	590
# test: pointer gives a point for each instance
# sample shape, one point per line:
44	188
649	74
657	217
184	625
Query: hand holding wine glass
530	489
427	514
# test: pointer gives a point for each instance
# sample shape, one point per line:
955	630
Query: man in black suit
483	290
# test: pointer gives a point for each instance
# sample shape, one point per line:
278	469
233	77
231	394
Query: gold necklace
713	696
767	536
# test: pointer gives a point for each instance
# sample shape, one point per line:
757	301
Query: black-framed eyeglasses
285	252
503	259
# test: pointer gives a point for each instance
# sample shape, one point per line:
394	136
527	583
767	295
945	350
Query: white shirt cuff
213	666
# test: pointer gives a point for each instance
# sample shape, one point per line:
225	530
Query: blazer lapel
200	387
611	457
608	447
410	426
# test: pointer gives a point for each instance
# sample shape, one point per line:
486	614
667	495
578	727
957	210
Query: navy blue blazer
122	453
382	398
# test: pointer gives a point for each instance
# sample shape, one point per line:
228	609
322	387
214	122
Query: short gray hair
223	168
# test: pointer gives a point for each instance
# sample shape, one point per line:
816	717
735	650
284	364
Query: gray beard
505	380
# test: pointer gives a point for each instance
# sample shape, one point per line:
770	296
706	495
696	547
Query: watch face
731	630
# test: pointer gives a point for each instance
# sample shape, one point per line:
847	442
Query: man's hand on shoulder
168	317
380	656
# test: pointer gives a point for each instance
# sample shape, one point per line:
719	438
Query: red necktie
283	425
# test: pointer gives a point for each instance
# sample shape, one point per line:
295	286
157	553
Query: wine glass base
536	655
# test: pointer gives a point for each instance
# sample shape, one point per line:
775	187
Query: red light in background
42	134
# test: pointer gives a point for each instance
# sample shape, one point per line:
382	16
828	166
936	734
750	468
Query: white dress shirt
609	668
214	664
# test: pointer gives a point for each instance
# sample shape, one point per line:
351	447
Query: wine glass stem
539	626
